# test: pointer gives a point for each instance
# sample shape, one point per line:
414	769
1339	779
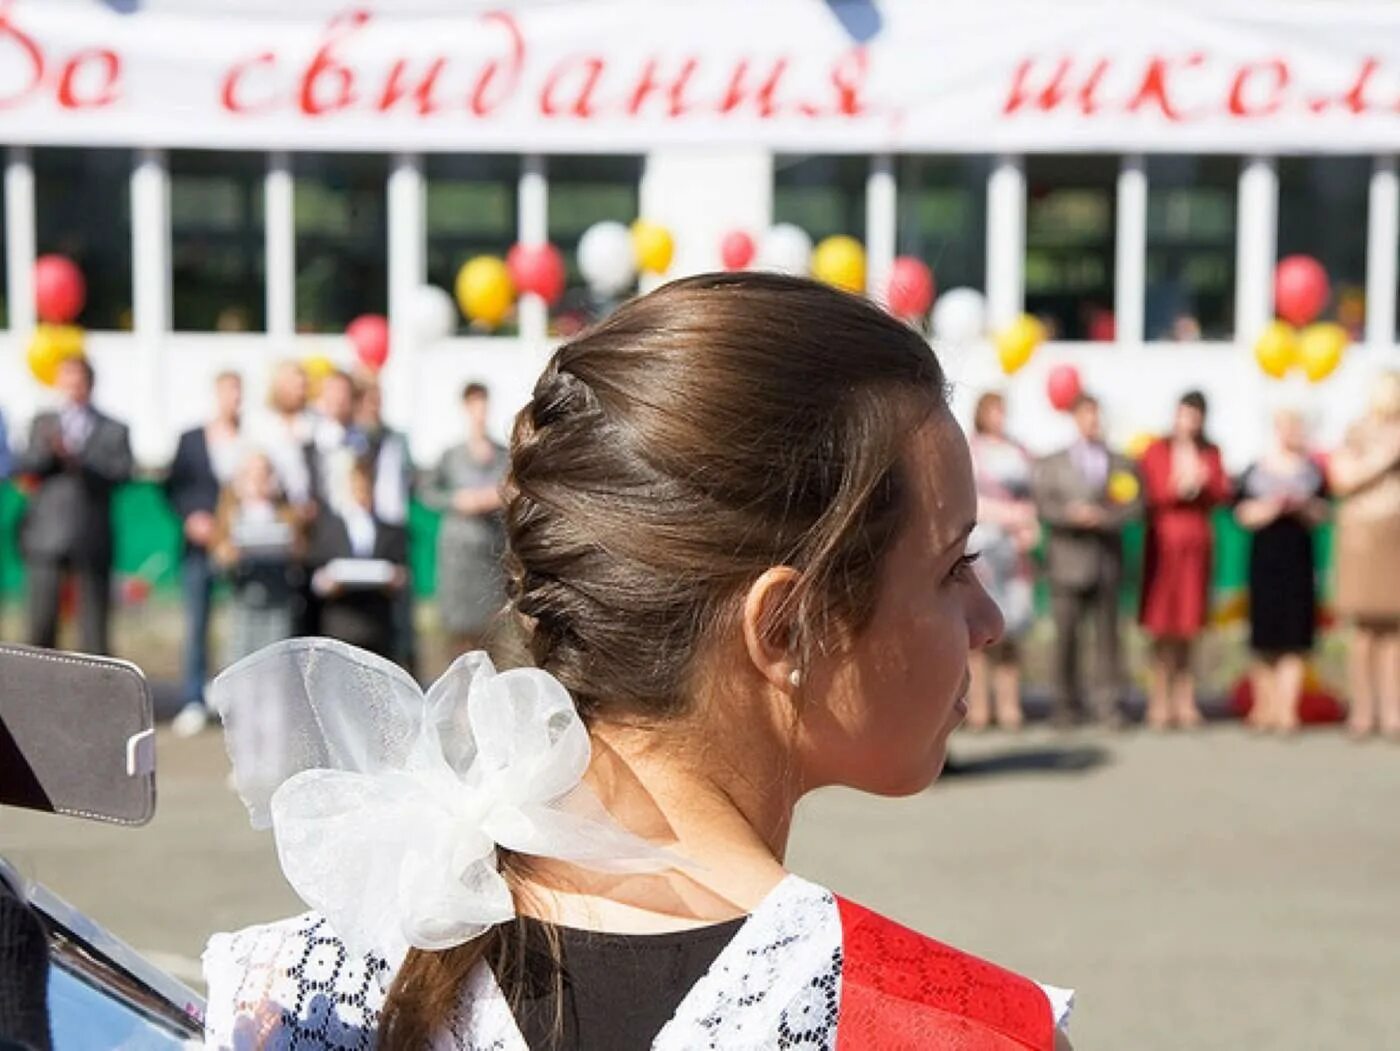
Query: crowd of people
304	513
1075	504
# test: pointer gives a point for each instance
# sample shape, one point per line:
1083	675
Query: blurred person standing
1365	474
1282	498
286	430
466	488
1085	495
1183	480
257	544
78	456
1006	534
387	449
336	442
359	565
7	459
206	459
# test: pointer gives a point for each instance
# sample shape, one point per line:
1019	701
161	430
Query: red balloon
1063	386
737	250
910	291
1301	289
369	335
538	269
59	289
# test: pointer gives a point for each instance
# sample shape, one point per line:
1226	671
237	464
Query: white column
19	239
408	269
881	225
279	235
1130	269
1382	250
532	228
150	288
1256	248
150	245
1006	240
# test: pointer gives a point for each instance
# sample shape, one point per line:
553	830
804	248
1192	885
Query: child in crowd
259	547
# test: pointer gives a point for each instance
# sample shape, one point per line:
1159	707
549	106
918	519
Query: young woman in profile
738	513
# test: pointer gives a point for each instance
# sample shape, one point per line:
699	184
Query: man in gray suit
78	457
1085	495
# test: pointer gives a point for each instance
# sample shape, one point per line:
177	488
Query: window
943	217
83	206
217	254
1322	213
821	195
1070	230
585	190
342	240
1191	231
472	209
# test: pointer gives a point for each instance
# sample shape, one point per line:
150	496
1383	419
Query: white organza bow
388	805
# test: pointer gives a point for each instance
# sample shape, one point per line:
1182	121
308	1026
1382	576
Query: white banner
633	75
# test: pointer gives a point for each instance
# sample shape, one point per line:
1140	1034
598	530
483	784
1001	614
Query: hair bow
388	804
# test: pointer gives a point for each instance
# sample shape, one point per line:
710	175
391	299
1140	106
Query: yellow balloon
840	261
1320	349
1123	487
1017	342
317	367
50	347
653	246
1139	443
485	291
1276	349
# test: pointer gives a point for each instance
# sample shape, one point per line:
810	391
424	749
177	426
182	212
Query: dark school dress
1282	565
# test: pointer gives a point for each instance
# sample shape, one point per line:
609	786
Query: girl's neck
731	828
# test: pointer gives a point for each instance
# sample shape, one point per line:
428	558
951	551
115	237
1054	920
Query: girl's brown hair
719	426
985	405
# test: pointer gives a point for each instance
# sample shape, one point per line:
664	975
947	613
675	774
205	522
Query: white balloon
787	249
606	259
432	313
959	315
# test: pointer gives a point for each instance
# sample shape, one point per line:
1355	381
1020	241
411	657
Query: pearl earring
795	678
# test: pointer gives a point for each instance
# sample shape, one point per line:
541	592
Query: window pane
822	195
472	210
1191	247
1322	213
342	240
217	257
1070	216
83	206
943	217
584	191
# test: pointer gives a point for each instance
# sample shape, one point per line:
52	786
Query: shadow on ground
1078	759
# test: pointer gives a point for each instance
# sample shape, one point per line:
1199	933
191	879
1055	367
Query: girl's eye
962	568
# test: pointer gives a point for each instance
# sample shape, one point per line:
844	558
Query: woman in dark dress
1282	499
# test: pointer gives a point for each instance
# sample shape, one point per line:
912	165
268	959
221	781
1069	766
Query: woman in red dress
1184	480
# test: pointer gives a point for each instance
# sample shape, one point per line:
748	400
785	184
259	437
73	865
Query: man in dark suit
78	456
206	458
1085	495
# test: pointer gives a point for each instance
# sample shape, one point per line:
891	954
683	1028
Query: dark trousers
197	580
1071	608
94	602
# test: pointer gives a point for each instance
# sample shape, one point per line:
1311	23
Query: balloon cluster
1301	291
60	293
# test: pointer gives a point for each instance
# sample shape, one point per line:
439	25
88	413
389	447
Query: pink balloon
538	269
737	250
910	291
1063	386
59	289
1301	289
369	335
